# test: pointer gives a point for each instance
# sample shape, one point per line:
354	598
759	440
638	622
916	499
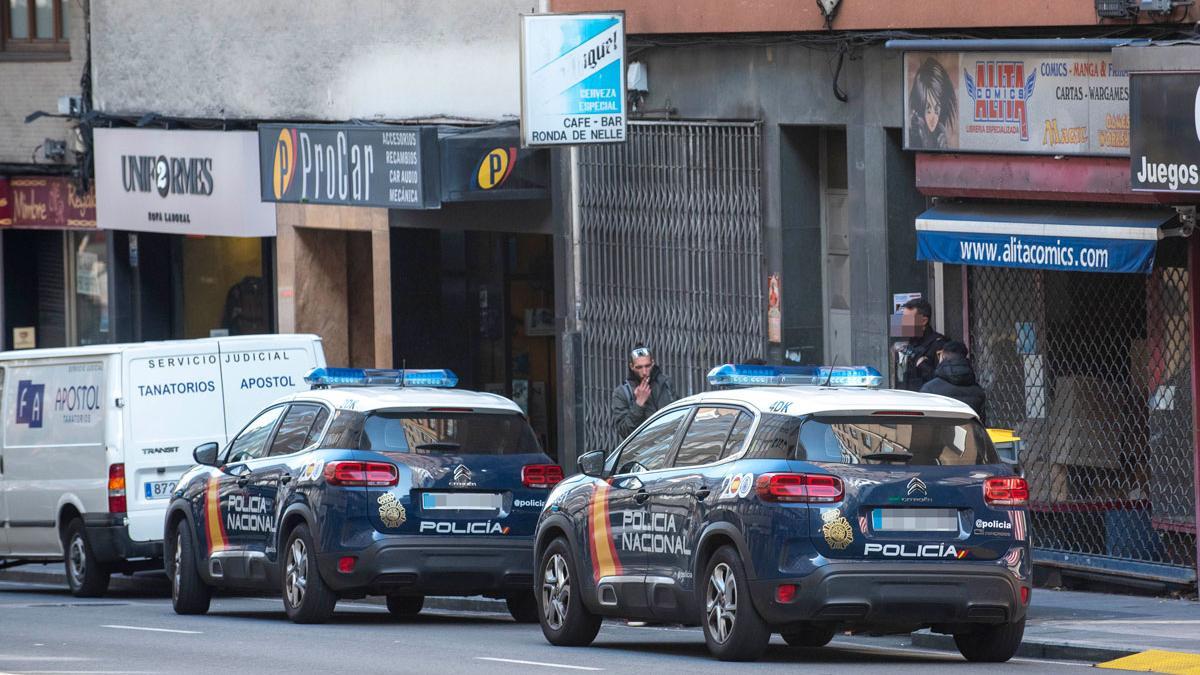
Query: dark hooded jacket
627	414
925	347
955	378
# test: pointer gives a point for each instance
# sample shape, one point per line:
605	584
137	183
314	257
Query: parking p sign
572	78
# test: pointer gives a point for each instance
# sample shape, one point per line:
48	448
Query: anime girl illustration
932	106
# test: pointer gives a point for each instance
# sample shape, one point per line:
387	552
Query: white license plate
159	489
915	520
461	501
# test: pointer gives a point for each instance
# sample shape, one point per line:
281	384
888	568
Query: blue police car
805	507
373	483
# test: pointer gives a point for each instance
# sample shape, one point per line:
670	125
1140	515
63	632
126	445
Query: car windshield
909	440
458	433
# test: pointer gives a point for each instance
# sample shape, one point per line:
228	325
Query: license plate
159	489
914	520
461	501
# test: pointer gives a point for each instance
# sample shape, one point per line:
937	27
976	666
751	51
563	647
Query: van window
428	433
252	442
295	428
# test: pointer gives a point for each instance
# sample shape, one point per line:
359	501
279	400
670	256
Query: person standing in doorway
954	377
918	356
645	390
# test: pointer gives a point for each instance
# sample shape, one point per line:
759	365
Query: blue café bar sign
1070	239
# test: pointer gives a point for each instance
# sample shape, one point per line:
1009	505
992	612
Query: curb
156	581
1033	648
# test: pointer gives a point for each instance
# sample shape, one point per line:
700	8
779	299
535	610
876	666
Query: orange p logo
495	167
285	162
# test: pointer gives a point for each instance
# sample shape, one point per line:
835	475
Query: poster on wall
1166	133
1052	103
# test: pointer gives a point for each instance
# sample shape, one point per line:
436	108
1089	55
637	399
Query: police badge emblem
391	511
837	530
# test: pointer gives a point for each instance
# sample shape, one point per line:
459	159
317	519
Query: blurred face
933	111
913	322
642	366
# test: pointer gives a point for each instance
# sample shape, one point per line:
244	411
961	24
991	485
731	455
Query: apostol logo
285	162
495	167
917	485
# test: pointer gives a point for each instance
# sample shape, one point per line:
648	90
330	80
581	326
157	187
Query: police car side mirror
206	454
591	463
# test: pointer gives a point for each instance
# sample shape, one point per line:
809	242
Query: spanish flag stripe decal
604	554
217	539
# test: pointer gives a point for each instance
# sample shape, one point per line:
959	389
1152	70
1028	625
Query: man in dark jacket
644	391
955	378
919	354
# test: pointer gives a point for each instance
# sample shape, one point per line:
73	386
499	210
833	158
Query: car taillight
810	488
116	488
1006	491
541	475
368	474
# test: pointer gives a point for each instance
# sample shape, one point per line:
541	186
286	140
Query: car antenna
829	378
403	367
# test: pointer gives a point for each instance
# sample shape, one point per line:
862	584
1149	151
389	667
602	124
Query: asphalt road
43	629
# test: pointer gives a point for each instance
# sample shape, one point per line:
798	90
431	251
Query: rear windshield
916	441
469	433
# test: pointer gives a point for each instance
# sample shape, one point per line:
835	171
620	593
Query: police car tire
317	603
523	608
812	635
86	576
750	635
991	644
405	606
192	595
580	626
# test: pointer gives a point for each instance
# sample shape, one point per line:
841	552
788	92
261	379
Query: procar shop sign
1050	103
572	78
388	166
1165	149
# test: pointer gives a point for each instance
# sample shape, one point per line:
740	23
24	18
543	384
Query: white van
95	437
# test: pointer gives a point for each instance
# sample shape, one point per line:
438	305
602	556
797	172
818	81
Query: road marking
537	663
154	630
1158	661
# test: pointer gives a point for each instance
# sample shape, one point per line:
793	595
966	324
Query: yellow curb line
1157	661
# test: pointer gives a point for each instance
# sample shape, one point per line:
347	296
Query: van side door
259	369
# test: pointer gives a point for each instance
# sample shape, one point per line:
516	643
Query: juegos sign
1165	143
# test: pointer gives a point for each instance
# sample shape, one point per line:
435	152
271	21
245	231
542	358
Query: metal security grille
1093	371
671	255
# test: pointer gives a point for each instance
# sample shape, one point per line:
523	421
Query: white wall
309	59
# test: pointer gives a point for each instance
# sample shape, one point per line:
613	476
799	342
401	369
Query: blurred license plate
159	489
461	501
914	520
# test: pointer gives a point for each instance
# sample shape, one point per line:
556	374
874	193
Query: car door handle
641	496
243	480
285	479
701	494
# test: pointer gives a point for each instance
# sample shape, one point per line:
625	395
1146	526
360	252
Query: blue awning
1051	237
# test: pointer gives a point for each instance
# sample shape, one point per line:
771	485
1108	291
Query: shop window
90	274
34	29
225	291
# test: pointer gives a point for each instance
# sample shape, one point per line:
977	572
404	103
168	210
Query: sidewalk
1067	625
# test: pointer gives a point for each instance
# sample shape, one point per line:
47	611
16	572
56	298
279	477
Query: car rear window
862	440
458	433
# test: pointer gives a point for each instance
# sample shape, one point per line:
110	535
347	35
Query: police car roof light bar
745	375
321	378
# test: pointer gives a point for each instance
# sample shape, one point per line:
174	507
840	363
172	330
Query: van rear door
259	369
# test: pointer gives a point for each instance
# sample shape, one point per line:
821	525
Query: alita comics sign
1048	103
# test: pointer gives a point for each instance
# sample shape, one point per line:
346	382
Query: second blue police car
801	510
373	483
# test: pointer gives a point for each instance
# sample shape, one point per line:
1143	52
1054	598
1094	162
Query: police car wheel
189	593
86	576
306	598
523	607
809	635
732	627
991	644
565	620
405	606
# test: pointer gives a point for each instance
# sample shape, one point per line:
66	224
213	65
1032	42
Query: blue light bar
742	375
365	377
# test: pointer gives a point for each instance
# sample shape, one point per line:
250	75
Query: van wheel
732	627
87	577
565	620
405	606
189	593
991	644
306	598
808	635
523	607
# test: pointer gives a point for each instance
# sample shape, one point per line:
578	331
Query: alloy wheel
721	604
297	573
556	591
78	558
